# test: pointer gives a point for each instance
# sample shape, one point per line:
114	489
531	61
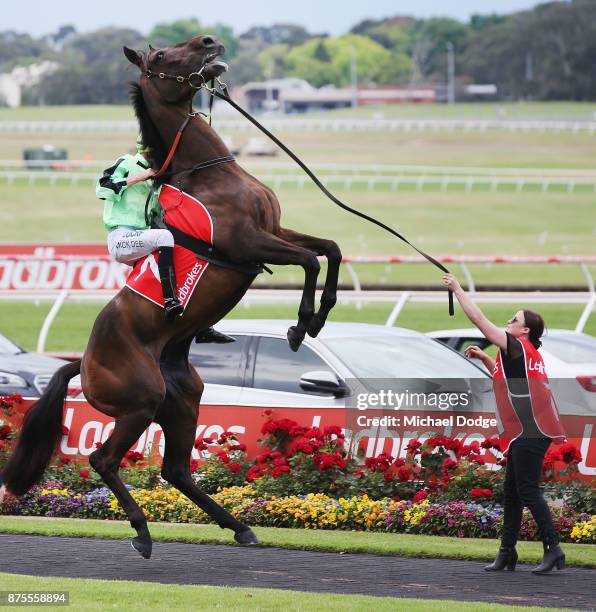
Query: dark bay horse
135	368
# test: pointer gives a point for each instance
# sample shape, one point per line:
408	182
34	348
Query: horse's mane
149	133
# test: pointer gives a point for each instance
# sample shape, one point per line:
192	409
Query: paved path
292	569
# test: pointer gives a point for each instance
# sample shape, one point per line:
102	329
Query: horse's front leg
271	249
178	419
331	251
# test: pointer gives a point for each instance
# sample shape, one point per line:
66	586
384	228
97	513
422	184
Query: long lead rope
225	96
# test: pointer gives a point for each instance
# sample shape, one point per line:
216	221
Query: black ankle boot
553	557
165	263
506	558
211	335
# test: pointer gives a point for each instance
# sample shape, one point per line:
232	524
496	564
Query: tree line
545	53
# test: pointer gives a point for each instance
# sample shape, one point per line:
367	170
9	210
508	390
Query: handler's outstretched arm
490	330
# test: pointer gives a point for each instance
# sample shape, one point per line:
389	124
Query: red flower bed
297	460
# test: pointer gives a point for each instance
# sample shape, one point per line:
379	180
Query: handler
528	422
125	187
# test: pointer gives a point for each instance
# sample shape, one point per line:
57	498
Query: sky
335	17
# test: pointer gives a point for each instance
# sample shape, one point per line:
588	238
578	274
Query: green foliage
305	61
246	66
15	47
579	494
145	477
166	34
321	54
428	47
479	22
541	54
273	61
468	476
391	33
545	53
277	34
93	69
397	68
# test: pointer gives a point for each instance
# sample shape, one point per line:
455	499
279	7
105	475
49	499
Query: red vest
544	407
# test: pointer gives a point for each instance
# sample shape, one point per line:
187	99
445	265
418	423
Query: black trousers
522	479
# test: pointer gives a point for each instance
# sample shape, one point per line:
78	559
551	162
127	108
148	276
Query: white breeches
126	245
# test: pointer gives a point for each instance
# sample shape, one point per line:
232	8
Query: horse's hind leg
331	251
178	419
106	461
267	248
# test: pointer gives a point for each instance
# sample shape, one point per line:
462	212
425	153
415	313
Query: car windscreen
401	357
571	348
7	347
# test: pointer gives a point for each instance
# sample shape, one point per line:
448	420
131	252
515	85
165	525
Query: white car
259	369
569	358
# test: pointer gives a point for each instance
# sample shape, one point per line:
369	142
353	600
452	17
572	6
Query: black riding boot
506	558
553	557
165	263
211	335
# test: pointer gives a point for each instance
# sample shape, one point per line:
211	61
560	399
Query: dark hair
536	325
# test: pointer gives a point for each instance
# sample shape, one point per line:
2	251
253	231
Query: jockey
125	187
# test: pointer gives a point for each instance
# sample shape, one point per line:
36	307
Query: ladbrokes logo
190	281
61	273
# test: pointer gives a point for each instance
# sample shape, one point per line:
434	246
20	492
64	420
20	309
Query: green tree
93	69
396	69
545	53
273	61
17	48
278	34
246	65
166	34
392	33
321	54
428	45
370	58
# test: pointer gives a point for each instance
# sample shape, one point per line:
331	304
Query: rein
224	95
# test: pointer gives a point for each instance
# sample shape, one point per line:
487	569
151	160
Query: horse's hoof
142	547
295	338
246	538
315	326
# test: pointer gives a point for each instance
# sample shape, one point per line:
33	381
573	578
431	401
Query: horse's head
176	70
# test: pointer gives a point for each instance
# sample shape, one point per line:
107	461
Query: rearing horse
135	368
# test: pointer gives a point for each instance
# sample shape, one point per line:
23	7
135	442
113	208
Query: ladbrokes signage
85	427
57	267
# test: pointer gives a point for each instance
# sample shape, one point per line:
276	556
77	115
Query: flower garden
306	478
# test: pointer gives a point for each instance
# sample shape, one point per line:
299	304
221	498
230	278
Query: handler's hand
451	282
475	352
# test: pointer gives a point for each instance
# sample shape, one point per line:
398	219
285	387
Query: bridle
200	84
224	95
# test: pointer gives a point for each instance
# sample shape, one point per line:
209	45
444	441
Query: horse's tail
40	433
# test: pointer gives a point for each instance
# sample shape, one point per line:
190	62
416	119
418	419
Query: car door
222	368
274	371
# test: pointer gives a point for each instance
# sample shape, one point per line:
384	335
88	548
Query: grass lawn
494	148
441	223
471	110
22	321
130	596
480	222
582	555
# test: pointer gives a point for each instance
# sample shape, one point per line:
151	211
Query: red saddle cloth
189	215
